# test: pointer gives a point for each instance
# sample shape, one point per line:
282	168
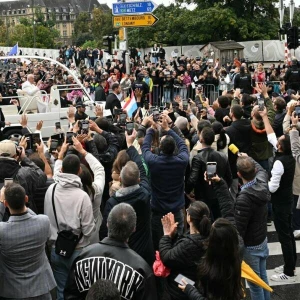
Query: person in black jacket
99	92
219	271
223	110
239	135
279	106
202	189
135	191
113	259
108	147
251	218
243	81
183	256
112	99
3	123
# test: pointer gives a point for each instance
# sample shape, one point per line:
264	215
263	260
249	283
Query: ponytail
222	140
204	226
199	216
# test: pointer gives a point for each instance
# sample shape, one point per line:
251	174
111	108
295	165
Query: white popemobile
42	106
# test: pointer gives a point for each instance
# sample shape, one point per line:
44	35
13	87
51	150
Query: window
19	11
9	12
57	10
57	18
64	25
57	26
14	12
64	17
4	12
24	11
64	10
72	17
65	33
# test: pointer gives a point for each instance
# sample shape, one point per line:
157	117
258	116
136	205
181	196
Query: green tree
82	24
22	34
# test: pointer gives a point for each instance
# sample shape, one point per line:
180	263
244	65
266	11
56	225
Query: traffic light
292	37
107	42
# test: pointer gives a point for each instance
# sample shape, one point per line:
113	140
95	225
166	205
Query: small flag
130	106
14	50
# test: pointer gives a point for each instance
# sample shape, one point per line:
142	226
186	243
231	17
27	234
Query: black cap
80	104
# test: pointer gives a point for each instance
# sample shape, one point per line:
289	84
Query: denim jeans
256	258
167	95
61	267
157	229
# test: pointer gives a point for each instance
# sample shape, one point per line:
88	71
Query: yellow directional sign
121	34
134	20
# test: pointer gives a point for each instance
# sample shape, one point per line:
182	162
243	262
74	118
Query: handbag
66	241
159	269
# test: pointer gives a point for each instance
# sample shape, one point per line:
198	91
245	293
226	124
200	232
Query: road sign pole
127	64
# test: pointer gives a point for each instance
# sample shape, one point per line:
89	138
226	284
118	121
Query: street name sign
134	20
128	8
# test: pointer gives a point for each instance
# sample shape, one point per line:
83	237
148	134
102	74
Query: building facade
64	13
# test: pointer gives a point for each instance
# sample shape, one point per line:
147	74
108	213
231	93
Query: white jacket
29	88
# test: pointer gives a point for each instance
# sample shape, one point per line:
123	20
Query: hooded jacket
251	209
113	260
138	196
73	208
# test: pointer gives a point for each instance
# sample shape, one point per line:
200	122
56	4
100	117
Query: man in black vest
281	189
292	76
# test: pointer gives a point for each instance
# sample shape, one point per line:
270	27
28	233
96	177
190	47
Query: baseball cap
79	104
7	148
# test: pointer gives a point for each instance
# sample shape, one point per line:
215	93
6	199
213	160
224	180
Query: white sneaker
297	234
280	270
283	278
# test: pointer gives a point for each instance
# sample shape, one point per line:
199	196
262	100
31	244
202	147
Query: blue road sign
129	8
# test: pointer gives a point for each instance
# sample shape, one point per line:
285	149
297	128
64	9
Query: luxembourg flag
130	105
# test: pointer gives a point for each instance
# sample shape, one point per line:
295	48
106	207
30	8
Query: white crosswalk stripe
275	260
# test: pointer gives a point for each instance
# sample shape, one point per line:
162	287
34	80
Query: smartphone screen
69	137
123	119
146	105
53	146
179	278
84	127
184	105
60	137
168	105
261	104
156	115
8	181
36	139
129	128
297	110
57	125
211	169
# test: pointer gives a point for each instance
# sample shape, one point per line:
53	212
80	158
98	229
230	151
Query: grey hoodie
73	208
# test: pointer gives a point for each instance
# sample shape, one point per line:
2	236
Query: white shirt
277	170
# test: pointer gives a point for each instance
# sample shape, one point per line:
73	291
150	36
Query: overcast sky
165	2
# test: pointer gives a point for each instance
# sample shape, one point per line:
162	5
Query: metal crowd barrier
163	94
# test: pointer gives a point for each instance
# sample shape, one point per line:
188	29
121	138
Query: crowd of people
184	184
